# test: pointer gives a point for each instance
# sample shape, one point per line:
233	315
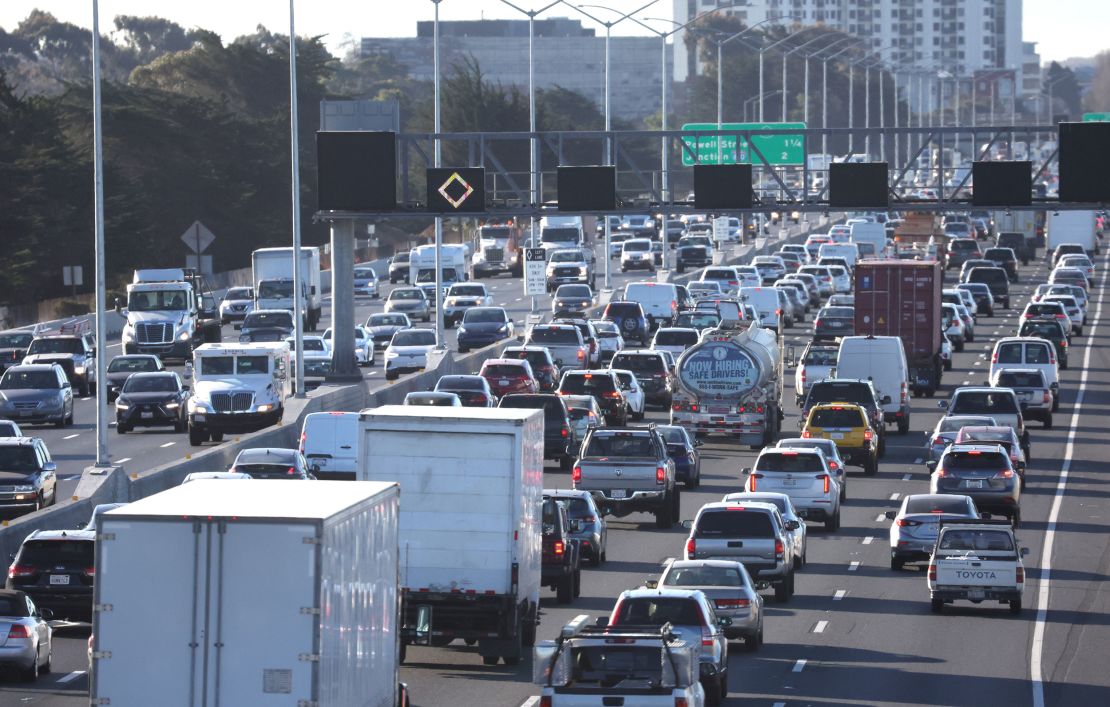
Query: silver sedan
729	587
29	647
917	523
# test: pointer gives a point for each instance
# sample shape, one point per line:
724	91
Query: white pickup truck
617	665
977	560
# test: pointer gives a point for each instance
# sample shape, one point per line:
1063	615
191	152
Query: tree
1060	82
150	37
1098	97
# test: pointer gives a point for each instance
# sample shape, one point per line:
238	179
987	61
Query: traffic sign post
535	272
776	149
720	229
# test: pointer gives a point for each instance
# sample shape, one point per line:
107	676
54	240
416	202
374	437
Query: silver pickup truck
628	471
750	532
977	561
568	349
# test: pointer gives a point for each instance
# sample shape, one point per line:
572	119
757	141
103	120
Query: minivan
659	300
329	442
1028	352
881	360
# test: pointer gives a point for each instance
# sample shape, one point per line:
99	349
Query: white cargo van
881	360
848	251
659	300
766	302
870	239
329	441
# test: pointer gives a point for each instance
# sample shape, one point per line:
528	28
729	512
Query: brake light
564	431
1061	316
937	440
1052	359
868	435
18	631
778	312
691	547
581	354
906	523
660	475
90	571
1019	575
994	357
752	480
825	479
1005	474
941	473
291	471
678	702
834	466
728	603
559	547
806	434
779	549
803	376
576	474
932	573
20	571
706	636
817	322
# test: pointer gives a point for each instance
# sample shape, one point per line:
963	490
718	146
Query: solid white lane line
868	540
853	566
800	665
840	594
167	444
1043	588
72	436
71	676
820	627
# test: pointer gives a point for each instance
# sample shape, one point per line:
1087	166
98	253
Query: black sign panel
356	171
587	189
1002	183
858	185
1084	151
718	187
456	190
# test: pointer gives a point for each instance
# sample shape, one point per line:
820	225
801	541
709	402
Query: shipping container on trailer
903	298
276	593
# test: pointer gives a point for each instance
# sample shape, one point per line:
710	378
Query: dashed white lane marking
121	461
916	461
853	566
907	477
820	627
840	594
966	383
868	540
880	518
978	363
800	665
167	444
71	676
779	704
72	436
895	496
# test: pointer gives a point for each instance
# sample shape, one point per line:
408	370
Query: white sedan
364	345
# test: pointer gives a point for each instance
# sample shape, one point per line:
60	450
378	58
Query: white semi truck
472	484
169	312
272	271
279	593
237	388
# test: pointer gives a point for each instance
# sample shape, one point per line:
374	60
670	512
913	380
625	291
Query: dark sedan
272	463
473	391
121	367
482	326
266	325
152	400
833	322
683	451
572	300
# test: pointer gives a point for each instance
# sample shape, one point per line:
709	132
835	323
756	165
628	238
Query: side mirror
931	466
652	584
891	515
885	400
792	525
50	466
423	629
688	524
942	404
185	389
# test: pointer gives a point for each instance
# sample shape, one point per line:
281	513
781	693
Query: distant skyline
1078	31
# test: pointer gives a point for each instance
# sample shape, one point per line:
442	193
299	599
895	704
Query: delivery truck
902	298
272	271
276	593
1072	227
470	525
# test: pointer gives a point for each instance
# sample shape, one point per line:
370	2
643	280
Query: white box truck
1072	227
472	480
281	594
272	271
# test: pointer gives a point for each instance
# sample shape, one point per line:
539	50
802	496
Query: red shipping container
901	298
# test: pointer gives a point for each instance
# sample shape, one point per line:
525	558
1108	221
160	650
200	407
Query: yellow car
846	424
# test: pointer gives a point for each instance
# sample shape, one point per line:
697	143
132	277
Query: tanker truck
729	384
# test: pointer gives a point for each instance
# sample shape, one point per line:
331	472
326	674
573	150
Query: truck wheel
216	436
489	660
121	429
564	590
528	630
83	389
196	437
1015	606
937	605
677	513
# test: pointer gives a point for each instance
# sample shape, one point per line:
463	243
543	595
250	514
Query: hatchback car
729	587
917	523
56	569
152	400
509	375
410	301
236	304
983	472
1005	437
382	326
366	281
272	463
472	391
587	523
984	300
632	391
408	351
609	339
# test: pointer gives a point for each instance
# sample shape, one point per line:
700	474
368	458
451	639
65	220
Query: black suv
561	563
1006	259
1016	242
559	441
605	389
55	569
152	400
847	390
651	371
996	279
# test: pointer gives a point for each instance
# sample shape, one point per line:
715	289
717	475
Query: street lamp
98	195
608	125
805	87
751	101
825	89
764	50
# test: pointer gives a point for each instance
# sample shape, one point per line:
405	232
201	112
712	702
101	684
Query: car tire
637	416
833	524
31	674
1056	403
896	564
752	643
122	429
937	605
664	517
61	422
904	425
69	418
1015	606
712	692
564	590
959	346
390	376
871	468
490	659
948	365
48	666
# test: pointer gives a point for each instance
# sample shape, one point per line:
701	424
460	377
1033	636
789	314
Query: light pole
763	51
533	152
608	124
98	196
750	103
805	87
825	90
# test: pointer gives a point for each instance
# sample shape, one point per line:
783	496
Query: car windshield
673	435
429	275
160	301
573	291
656	611
503	370
1044	330
49	553
406	294
13	606
565	256
18	458
983	402
15	341
386	320
637	246
429	399
29	380
936	504
621	444
976	540
559	235
586	384
275	289
414	337
484	315
58	346
638	363
956	423
988	276
280	320
401	257
467	291
537	357
461	383
704	576
734	522
150	384
546	335
237	293
834	417
676	337
552	408
309	344
837	392
226	365
698	320
837	312
789	462
132	365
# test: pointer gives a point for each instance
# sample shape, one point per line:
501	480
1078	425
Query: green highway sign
777	149
1096	117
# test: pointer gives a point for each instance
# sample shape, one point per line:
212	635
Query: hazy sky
1078	30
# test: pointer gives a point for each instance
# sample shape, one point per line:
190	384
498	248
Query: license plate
976	594
146	415
836	435
834	325
59	579
1026	395
503	382
789	483
618	493
974	483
